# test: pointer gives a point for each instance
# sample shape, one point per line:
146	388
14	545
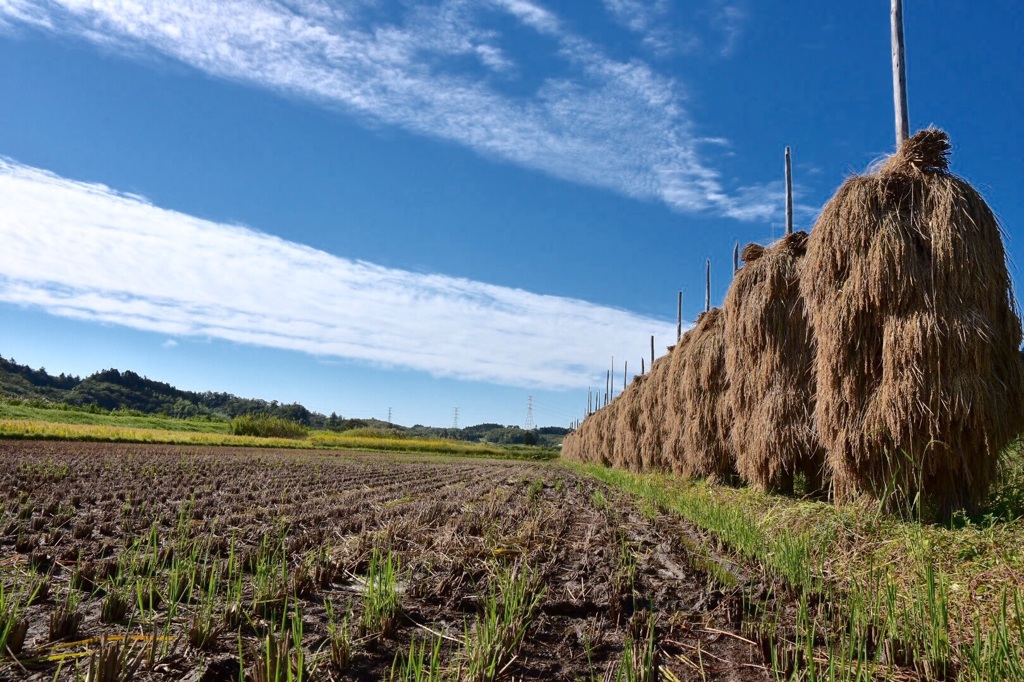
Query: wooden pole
707	287
736	258
625	369
607	383
679	318
899	74
611	392
652	351
789	194
642	370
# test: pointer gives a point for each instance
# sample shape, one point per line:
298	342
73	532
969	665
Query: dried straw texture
571	449
590	439
673	449
580	445
769	358
588	443
706	413
606	435
919	380
652	415
626	453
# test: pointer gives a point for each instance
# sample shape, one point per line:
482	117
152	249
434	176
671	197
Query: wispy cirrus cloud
647	18
728	18
667	28
87	252
451	70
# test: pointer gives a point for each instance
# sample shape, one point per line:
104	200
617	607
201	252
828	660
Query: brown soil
604	566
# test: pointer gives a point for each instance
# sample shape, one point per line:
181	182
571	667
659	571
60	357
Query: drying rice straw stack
652	415
673	451
572	444
769	360
590	438
918	372
605	435
627	427
583	445
595	438
706	418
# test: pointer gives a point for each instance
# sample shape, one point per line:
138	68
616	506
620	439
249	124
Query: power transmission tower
455	418
529	413
389	415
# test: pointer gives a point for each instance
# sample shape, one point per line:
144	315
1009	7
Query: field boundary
950	600
17	429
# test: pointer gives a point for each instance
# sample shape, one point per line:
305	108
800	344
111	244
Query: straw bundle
584	445
572	444
706	417
628	429
652	415
919	380
605	435
769	360
592	437
673	450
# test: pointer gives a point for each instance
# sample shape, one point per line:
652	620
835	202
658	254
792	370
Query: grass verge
17	411
879	596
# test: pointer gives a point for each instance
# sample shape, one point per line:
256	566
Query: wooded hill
111	390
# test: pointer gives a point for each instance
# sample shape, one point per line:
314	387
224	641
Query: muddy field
211	564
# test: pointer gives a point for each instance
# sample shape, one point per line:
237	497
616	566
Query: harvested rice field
166	562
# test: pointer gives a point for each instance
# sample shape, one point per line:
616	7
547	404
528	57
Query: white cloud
666	28
589	119
531	14
728	19
84	251
23	12
648	19
170	343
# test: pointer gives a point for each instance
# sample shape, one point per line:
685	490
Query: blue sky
426	205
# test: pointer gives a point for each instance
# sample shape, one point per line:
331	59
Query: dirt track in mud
86	520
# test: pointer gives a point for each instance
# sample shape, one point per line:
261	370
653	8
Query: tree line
112	389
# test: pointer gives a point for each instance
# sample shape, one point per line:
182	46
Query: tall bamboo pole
789	194
611	391
736	258
679	317
899	74
707	287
